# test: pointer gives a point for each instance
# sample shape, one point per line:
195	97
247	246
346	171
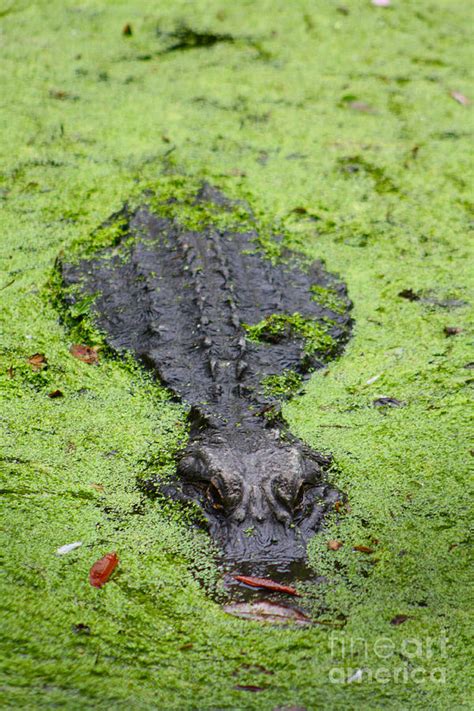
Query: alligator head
263	495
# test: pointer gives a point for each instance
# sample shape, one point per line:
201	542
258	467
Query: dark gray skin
263	498
178	299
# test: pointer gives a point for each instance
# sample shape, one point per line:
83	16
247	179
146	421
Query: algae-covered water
336	123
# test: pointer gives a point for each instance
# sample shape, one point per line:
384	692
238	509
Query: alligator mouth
286	571
261	545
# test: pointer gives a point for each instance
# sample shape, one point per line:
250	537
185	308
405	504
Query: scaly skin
179	300
264	495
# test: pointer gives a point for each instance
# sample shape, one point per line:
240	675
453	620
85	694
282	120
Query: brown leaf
409	294
81	628
87	354
452	330
98	487
38	361
62	95
57	94
334	545
363	549
266	583
266	611
301	210
127	30
360	106
388	402
11	372
248	687
56	393
399	619
460	98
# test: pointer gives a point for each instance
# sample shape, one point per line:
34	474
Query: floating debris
63	550
87	354
385	401
103	569
267	584
266	611
38	361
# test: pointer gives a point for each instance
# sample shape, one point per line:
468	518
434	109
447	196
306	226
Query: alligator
219	322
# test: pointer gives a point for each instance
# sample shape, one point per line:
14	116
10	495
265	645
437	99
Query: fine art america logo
411	660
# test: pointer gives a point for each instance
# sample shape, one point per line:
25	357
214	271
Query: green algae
87	123
284	385
329	298
276	327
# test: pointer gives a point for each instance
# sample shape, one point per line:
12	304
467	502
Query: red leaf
267	584
363	549
103	569
38	361
84	353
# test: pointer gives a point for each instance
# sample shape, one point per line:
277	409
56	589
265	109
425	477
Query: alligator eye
193	468
300	497
214	496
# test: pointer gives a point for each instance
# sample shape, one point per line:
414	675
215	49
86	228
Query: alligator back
210	313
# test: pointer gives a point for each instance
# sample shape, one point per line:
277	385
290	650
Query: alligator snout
262	542
257	507
263	497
